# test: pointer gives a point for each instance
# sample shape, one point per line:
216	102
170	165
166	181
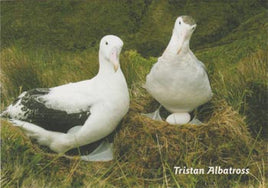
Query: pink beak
114	58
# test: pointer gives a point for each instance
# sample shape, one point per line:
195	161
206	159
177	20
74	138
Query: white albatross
77	114
178	80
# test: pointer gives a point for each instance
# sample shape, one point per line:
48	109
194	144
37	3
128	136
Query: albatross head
183	29
110	48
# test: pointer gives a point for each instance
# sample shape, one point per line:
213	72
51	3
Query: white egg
178	118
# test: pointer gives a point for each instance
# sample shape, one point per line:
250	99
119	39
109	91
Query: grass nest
153	148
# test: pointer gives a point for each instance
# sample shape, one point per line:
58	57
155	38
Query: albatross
77	114
178	80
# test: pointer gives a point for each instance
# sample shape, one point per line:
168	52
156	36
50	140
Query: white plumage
178	80
102	101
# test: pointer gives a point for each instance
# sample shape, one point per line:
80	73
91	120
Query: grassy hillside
144	25
48	43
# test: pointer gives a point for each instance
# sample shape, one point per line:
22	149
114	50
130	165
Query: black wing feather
48	118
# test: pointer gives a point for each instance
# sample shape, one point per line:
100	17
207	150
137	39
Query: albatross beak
114	58
182	38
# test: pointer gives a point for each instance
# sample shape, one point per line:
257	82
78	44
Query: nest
152	148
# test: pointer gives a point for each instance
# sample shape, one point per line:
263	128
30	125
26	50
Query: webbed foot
154	115
104	152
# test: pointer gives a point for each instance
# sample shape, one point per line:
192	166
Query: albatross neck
105	67
174	45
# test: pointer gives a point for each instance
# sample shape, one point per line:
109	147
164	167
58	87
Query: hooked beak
114	58
182	38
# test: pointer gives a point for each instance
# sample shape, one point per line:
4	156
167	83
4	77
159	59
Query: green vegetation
48	43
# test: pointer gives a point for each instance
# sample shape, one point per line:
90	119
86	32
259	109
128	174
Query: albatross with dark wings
76	114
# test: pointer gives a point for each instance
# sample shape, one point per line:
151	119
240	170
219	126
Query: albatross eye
106	43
